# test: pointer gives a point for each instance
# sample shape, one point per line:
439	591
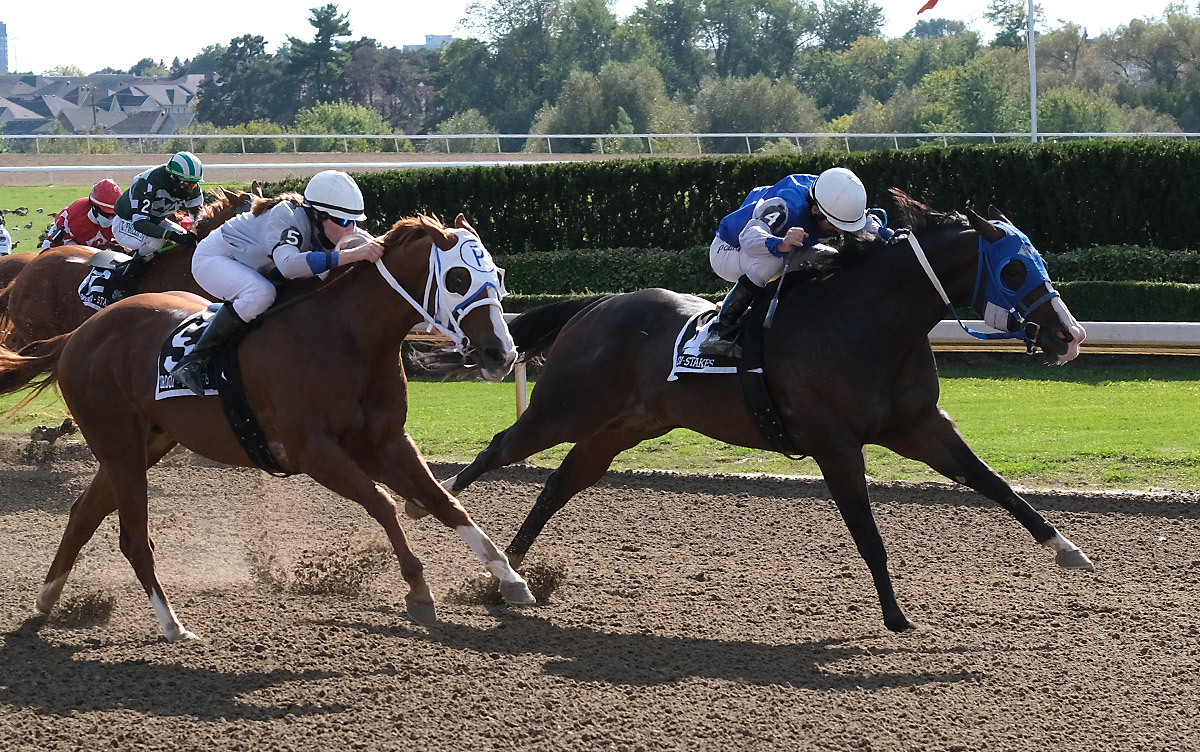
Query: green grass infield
1095	423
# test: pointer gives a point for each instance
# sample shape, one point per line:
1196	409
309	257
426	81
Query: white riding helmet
841	197
335	193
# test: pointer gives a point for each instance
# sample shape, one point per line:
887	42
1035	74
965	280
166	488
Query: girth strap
227	374
753	382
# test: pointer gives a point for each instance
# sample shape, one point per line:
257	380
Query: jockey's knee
250	305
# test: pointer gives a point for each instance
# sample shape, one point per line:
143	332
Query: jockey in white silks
291	235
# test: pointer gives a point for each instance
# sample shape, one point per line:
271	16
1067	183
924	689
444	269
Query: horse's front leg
328	464
402	468
845	475
937	442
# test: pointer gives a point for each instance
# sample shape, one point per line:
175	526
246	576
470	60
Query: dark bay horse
43	300
11	265
323	377
848	363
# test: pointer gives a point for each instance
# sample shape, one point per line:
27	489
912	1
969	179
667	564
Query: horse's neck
171	270
909	299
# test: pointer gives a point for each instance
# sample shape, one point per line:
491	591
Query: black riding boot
125	276
222	327
722	332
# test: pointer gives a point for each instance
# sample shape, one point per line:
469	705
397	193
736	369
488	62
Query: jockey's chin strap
451	329
1022	333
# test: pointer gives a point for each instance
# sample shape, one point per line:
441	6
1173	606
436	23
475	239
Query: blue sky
78	35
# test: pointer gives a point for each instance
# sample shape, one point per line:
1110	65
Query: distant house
111	102
432	42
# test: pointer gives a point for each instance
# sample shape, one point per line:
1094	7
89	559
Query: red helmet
105	195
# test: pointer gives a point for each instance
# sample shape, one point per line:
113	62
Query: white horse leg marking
171	628
512	585
448	483
1067	554
49	593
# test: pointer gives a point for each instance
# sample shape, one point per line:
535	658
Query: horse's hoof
415	510
183	636
517	593
421	613
900	625
1074	559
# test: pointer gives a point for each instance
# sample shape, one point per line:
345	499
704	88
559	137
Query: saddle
223	378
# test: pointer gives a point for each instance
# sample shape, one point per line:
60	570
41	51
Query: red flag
928	4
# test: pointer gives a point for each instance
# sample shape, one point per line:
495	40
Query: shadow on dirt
587	655
51	679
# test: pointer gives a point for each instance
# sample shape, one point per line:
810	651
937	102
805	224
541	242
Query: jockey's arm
56	235
294	263
756	236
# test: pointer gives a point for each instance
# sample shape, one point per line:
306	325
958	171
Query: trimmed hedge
1113	263
1063	195
1088	301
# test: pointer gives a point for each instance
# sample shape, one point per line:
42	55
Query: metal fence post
699	148
600	143
748	145
650	144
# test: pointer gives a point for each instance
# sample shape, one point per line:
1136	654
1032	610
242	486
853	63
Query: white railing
824	139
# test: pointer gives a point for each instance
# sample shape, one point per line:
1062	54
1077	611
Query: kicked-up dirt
678	612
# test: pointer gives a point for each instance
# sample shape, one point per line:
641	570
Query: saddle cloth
181	342
687	358
94	291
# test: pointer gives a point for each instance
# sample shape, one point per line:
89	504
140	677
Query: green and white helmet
186	166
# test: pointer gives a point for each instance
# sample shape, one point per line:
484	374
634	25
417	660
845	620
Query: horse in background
847	362
43	300
322	374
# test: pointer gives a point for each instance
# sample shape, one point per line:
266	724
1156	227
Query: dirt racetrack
698	613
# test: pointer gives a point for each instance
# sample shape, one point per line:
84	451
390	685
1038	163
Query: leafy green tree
674	27
147	67
935	28
843	21
317	65
1011	19
409	100
754	105
1069	110
983	95
463	123
757	36
585	38
250	85
65	70
346	118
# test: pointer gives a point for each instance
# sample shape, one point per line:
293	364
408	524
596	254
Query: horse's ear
986	229
461	221
442	237
256	189
218	192
994	213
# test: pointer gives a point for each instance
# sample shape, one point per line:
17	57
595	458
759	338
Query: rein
920	254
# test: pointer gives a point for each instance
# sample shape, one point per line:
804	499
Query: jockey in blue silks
751	243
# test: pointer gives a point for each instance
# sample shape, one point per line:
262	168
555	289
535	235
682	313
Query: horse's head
225	204
463	291
1013	290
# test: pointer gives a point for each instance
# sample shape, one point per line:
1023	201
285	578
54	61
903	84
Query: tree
250	85
317	65
147	67
935	28
674	27
984	95
843	21
749	37
464	123
1069	110
754	105
343	117
65	70
1011	19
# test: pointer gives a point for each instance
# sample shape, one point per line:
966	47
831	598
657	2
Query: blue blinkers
1011	282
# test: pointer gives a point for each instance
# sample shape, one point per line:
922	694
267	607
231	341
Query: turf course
1088	424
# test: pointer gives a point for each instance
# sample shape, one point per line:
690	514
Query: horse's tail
5	319
18	369
535	330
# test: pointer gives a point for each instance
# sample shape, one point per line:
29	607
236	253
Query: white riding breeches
230	280
136	242
730	263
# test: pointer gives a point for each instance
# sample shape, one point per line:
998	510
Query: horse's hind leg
937	442
585	464
88	511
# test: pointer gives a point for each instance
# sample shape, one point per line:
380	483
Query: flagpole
1033	132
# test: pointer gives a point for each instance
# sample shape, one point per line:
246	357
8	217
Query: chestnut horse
43	300
322	375
847	360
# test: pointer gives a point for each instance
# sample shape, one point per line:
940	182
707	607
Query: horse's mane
921	217
403	229
264	205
